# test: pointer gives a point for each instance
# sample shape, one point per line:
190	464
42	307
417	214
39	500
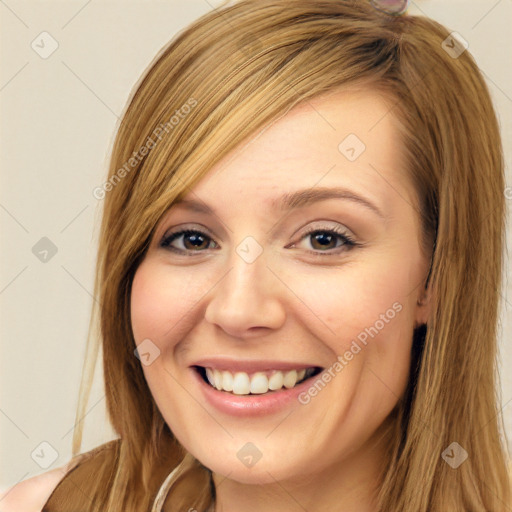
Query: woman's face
302	255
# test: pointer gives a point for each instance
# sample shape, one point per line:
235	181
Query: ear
423	306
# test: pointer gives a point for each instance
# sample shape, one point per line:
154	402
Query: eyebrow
306	197
297	199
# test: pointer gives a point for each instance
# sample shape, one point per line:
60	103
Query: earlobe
424	300
423	307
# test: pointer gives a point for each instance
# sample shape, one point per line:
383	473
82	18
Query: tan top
74	491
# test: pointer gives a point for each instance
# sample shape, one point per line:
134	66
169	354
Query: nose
246	301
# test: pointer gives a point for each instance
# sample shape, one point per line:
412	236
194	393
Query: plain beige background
58	117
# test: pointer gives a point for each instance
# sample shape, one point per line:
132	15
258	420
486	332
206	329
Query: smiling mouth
257	383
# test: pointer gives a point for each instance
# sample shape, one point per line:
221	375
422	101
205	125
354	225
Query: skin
291	305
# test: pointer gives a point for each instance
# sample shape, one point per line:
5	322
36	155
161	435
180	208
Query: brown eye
187	240
323	240
329	241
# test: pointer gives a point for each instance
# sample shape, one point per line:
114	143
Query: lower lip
252	405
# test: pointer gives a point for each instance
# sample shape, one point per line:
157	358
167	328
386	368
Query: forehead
345	138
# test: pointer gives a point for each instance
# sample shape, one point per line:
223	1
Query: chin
260	474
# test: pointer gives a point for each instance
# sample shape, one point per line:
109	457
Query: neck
350	485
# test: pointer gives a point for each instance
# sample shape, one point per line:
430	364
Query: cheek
149	303
160	303
364	313
162	311
349	299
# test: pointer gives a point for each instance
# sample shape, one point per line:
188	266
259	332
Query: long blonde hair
241	67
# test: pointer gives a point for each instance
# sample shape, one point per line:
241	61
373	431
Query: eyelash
348	242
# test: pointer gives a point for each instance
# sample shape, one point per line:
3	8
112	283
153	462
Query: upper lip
250	366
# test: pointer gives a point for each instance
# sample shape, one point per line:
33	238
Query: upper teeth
240	383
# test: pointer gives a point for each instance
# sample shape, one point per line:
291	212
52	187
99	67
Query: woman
298	273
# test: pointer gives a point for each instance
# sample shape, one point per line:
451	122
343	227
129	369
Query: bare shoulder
31	495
